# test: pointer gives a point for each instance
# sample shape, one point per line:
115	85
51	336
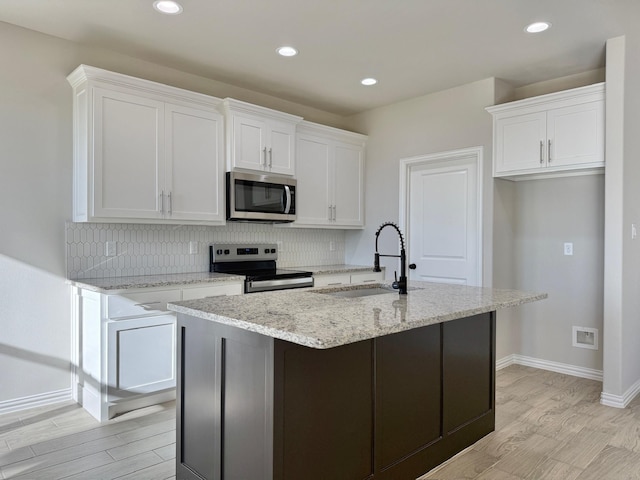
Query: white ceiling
413	47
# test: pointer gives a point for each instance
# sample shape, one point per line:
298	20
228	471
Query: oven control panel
228	252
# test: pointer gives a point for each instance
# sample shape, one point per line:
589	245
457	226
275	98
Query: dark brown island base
263	393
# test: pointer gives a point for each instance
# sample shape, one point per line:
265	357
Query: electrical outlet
634	231
332	246
111	248
568	248
193	248
280	246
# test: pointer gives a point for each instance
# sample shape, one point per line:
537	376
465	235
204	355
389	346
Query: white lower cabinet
127	346
336	279
141	356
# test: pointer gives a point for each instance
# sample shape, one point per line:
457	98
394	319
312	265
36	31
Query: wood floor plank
61	456
528	455
582	448
467	466
551	469
167	452
128	466
142	445
613	463
65	469
548	426
161	471
505	440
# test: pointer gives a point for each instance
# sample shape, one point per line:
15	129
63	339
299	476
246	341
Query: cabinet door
194	164
408	406
313	175
249	143
281	148
323	422
141	356
520	142
575	135
348	185
127	155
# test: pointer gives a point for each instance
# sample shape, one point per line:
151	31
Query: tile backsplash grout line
164	249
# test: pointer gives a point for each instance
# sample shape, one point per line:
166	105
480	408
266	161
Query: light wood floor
548	426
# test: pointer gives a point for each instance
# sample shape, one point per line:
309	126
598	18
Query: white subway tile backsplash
164	249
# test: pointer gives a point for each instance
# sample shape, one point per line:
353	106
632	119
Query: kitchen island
335	383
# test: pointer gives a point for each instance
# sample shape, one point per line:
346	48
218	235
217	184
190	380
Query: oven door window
259	197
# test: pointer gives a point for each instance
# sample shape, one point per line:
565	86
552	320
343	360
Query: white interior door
443	217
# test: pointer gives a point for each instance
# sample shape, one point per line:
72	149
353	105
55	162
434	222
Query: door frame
475	156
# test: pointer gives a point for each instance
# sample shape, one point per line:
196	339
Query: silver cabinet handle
270	157
541	152
334	213
264	156
330	213
162	201
169	197
549	152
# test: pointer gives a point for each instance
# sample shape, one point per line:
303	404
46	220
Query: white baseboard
557	367
620	401
39	400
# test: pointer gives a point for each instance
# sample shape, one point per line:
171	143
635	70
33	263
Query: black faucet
399	283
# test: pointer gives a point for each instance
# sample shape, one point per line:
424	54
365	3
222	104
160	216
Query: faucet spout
400	283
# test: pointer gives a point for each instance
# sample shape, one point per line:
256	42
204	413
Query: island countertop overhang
312	318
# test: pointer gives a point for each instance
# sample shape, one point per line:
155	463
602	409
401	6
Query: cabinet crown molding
310	128
231	105
84	73
589	92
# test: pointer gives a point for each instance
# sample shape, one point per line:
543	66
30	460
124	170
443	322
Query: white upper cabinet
145	152
260	139
550	135
330	176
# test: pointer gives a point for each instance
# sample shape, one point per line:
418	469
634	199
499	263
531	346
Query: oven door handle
287	192
265	285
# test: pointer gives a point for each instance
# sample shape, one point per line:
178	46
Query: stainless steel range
257	262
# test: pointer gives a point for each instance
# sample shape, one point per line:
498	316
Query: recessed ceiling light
287	51
167	6
368	81
537	27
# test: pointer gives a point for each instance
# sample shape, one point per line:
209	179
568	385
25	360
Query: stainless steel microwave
260	198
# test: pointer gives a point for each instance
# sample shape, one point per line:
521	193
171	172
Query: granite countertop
109	285
309	317
112	284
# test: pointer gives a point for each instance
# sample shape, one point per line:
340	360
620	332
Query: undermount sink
361	292
357	291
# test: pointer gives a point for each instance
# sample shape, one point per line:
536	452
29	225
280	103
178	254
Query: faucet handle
395	283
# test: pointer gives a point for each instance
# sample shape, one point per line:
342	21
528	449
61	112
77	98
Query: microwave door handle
287	192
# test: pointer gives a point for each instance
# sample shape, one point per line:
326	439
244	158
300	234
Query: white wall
622	253
549	213
35	199
447	120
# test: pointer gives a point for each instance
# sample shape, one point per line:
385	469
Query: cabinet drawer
138	304
367	277
331	280
212	291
